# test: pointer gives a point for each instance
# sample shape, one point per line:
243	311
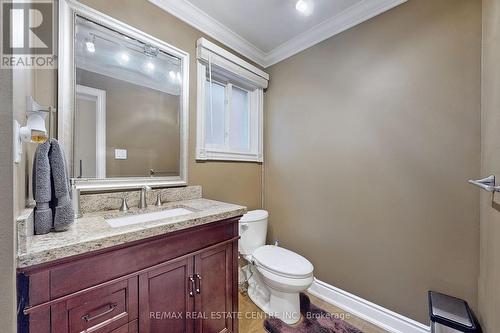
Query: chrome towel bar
487	184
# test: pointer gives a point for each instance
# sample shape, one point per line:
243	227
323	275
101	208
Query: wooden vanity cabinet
184	281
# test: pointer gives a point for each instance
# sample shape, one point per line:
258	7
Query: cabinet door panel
214	290
164	300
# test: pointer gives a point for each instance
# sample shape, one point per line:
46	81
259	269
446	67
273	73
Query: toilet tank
253	231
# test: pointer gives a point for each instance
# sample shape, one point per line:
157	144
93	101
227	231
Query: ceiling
269	23
268	31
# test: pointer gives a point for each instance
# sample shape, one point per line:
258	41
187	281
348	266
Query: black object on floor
451	314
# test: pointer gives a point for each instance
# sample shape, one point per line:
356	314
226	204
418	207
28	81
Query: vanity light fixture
34	131
151	51
90	45
304	7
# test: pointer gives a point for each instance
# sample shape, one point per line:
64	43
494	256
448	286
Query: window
227	117
230	107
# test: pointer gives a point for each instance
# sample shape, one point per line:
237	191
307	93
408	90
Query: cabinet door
166	298
214	290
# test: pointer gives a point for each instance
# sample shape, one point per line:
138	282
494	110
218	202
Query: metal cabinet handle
111	308
191	286
198	285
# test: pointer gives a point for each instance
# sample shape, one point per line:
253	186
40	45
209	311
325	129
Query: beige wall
227	181
370	138
489	274
142	120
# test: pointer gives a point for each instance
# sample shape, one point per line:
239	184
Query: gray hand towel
42	189
64	216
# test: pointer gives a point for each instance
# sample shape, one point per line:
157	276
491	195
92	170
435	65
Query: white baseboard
373	313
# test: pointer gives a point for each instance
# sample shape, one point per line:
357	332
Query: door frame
100	97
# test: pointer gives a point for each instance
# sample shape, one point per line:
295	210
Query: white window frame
254	81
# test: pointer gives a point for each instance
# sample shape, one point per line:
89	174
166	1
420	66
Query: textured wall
7	232
489	276
370	138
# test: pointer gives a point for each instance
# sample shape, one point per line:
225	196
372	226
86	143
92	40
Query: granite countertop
91	232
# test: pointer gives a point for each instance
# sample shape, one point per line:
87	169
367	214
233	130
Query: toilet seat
282	262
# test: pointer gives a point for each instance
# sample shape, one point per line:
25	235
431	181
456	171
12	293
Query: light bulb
150	66
90	46
124	57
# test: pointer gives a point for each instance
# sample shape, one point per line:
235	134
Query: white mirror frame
68	9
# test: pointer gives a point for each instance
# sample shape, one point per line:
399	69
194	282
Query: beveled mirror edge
66	94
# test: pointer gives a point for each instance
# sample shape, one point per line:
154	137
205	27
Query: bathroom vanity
178	274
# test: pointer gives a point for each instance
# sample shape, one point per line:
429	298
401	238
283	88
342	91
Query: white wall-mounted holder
488	184
34	131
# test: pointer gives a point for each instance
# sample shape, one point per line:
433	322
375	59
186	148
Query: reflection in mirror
127	106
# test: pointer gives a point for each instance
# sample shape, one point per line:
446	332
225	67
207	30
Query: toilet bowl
276	276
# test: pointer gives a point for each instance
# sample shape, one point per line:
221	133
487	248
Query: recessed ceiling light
304	7
150	66
172	75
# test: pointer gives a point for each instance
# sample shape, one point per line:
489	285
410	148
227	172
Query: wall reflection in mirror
127	106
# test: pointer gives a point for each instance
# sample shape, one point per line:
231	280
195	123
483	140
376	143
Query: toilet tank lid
254	215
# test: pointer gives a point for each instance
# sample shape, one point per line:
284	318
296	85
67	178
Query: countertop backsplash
97	202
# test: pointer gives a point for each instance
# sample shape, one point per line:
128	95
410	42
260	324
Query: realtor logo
28	34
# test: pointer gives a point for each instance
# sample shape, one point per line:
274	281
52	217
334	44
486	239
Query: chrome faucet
75	198
142	199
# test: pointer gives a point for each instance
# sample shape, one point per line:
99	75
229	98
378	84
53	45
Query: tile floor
252	318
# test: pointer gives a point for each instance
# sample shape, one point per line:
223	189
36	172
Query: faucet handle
158	200
124	205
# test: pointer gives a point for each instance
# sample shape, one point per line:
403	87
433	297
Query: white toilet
275	275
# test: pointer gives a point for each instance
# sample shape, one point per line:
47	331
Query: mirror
123	119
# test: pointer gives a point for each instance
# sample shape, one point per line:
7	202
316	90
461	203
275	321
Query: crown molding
354	15
200	20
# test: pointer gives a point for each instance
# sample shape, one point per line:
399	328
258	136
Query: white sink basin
147	217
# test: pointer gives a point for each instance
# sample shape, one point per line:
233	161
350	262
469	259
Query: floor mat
314	320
